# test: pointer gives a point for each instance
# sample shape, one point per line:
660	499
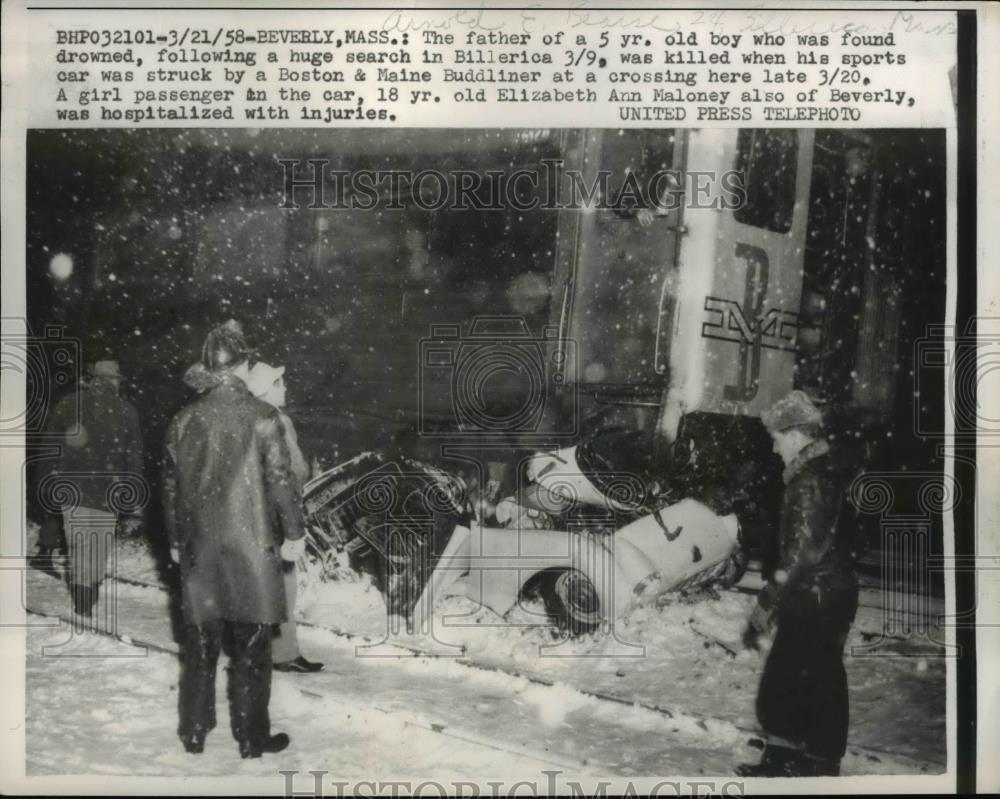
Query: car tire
572	600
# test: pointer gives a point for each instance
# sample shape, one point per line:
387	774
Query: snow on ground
683	657
94	688
131	730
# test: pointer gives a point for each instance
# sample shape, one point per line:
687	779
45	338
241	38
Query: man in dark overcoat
96	482
231	509
812	595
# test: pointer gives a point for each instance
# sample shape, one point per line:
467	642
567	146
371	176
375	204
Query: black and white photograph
608	451
497	401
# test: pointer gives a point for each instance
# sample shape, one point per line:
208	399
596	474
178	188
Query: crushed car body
591	551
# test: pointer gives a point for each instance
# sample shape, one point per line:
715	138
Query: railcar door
616	258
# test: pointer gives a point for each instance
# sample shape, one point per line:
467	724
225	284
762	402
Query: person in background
267	383
230	504
96	480
812	595
51	545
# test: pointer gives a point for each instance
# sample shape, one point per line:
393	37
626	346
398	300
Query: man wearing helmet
232	514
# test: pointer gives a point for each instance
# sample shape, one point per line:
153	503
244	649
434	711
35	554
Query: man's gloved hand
175	555
293	550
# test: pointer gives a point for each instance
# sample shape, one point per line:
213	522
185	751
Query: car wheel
573	601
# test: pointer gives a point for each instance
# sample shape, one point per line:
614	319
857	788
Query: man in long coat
231	510
97	479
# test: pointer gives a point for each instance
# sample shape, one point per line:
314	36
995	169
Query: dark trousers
249	679
50	535
803	691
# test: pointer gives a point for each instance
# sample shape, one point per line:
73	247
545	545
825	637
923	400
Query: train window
838	199
767	159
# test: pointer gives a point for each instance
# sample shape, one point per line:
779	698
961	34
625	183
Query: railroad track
418	651
415	650
448	731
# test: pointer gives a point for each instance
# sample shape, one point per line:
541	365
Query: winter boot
777	761
299	665
273	743
815	766
194	742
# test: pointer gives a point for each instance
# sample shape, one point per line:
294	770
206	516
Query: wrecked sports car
591	544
